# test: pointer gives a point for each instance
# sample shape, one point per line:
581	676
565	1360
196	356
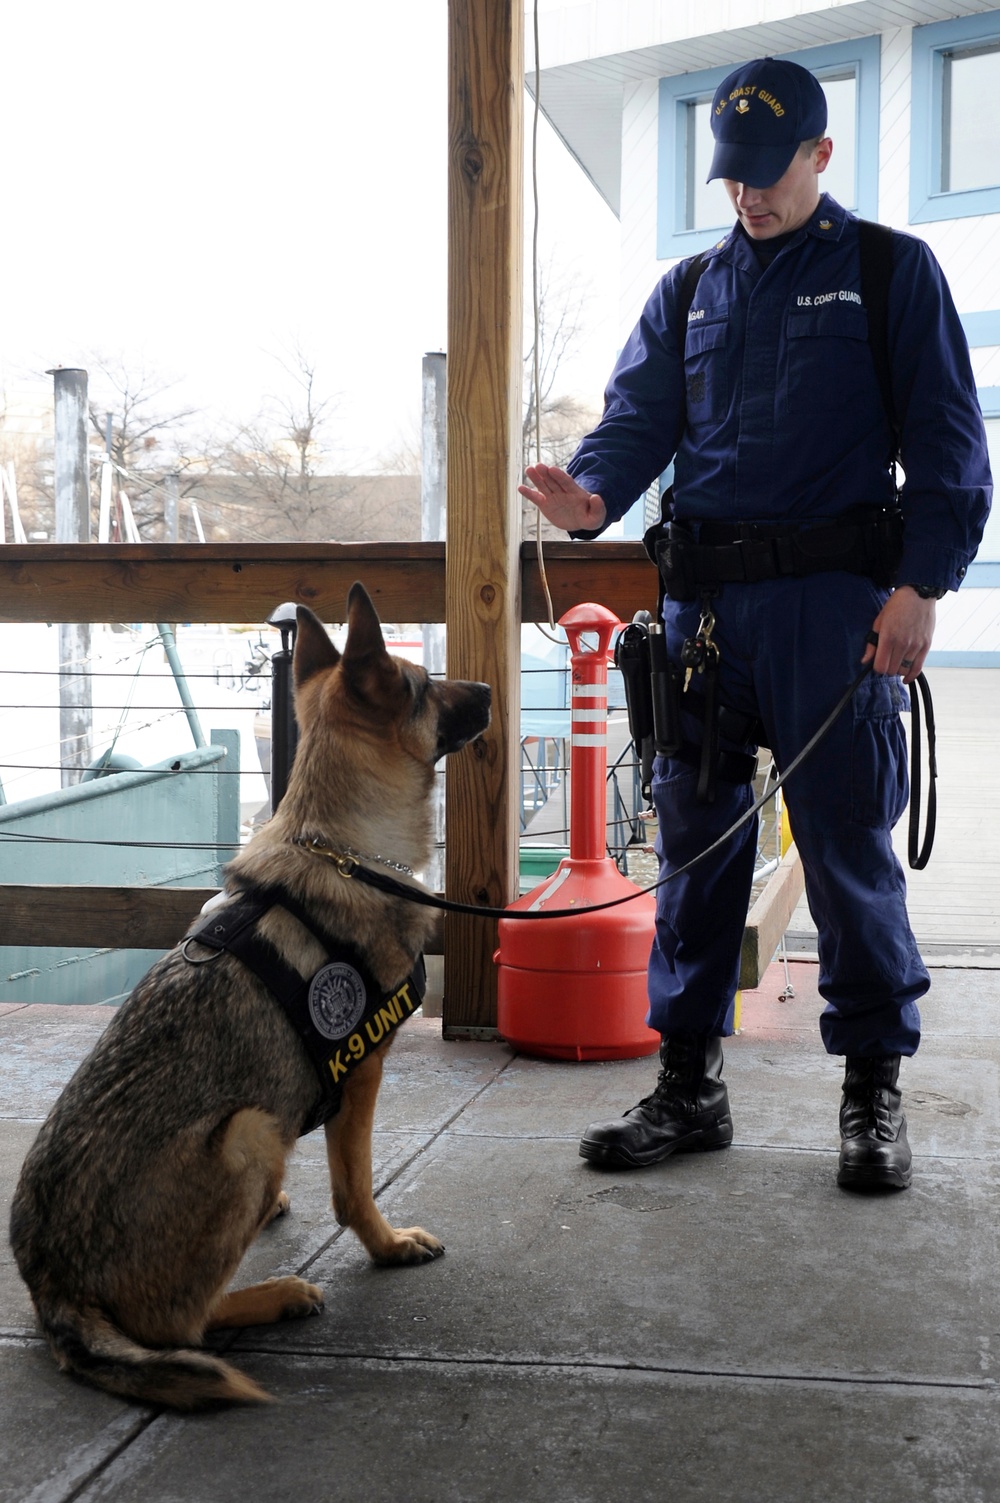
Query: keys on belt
700	653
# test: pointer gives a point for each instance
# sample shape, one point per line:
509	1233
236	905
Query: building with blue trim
914	94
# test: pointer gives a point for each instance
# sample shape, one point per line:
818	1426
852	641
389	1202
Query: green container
537	862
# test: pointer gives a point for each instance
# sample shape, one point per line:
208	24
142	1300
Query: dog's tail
86	1343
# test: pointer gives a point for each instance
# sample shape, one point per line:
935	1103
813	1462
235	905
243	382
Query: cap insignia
742	107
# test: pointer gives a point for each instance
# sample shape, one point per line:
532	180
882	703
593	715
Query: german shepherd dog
165	1154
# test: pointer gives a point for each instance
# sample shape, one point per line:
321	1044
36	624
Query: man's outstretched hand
561	501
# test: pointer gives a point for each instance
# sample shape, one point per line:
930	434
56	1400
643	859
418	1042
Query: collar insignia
826	224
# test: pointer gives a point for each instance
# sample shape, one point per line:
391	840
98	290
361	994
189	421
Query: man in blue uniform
780	553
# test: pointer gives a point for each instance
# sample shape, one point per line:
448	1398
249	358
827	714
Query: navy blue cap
761	114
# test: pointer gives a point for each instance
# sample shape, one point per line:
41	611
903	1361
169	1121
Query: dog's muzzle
464	719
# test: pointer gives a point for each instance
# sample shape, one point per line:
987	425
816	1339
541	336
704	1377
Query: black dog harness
340	1013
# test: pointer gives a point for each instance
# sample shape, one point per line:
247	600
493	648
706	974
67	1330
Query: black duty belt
695	557
341	1014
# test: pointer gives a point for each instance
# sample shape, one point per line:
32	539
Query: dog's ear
369	672
365	643
313	648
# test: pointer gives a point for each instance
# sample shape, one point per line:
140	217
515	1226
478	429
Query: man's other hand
561	501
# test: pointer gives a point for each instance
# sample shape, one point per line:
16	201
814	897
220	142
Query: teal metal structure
166	810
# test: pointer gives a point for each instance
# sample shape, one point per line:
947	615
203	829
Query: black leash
351	868
919	855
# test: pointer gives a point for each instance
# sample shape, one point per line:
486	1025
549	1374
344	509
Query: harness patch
379	1019
340	1014
337	999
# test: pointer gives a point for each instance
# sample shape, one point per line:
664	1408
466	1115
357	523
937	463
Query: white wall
968	249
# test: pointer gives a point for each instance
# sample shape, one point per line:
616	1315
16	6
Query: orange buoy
575	987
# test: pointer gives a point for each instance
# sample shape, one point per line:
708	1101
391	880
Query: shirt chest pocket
828	362
705	377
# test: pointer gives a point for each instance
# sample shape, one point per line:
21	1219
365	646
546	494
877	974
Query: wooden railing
244	583
233	582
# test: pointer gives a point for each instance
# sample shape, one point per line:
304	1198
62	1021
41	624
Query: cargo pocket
705	380
879	778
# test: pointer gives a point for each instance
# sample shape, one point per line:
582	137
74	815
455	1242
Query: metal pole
72	481
177	669
433	446
171	506
433	493
72	487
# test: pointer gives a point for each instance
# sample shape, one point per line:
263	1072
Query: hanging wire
108	753
536	315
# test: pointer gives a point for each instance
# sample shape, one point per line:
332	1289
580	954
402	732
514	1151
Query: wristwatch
929	591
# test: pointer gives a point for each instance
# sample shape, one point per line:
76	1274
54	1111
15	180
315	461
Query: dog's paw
410	1244
281	1207
299	1299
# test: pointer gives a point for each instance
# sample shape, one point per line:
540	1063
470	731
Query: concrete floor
721	1326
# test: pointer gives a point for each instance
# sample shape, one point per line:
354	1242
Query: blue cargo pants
789	648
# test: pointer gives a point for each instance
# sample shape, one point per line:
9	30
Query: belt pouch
675	562
889	546
665	684
632	661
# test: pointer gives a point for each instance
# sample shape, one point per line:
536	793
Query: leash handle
919	854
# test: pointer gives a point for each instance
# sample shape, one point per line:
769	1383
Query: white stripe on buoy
554	886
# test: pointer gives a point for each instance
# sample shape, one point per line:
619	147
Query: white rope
536	315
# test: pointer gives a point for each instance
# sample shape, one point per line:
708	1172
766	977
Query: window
970	116
691	212
955	119
705	204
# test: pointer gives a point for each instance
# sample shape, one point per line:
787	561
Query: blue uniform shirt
771	409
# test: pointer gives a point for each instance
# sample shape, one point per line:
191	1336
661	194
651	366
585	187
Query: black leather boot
874	1153
687	1112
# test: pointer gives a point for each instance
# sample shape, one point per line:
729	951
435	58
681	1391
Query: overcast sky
197	184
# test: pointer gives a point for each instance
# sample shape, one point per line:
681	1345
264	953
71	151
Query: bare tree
562	419
272	478
402	457
149	440
29	459
147	443
278	457
553	422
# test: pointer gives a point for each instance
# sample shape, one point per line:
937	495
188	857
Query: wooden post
482	588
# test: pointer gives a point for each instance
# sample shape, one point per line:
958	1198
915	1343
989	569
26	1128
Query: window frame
929	44
679	90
